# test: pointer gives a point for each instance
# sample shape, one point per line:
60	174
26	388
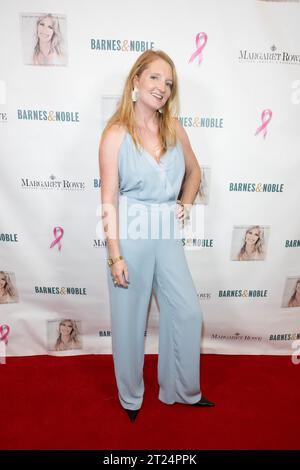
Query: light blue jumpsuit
154	261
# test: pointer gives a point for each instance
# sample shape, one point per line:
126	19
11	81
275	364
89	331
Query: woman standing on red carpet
146	161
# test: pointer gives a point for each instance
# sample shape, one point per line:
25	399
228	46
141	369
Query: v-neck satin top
143	179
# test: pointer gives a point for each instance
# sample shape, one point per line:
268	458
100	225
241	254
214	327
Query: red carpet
71	403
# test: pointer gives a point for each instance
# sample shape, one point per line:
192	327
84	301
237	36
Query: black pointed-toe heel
132	414
203	402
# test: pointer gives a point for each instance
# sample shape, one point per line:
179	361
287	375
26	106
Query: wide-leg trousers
158	264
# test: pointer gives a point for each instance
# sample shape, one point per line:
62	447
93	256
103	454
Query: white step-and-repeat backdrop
238	64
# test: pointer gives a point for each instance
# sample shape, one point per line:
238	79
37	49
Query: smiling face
252	236
45	29
66	328
2	281
155	84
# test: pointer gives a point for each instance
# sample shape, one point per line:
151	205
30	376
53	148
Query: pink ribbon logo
4	332
266	117
201	40
58	233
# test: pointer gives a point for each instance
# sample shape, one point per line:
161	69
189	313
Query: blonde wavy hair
124	115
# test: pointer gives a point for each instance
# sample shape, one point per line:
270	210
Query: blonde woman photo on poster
295	298
48	47
253	248
68	336
44	39
8	293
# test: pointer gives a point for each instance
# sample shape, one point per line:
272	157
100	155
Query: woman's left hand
182	211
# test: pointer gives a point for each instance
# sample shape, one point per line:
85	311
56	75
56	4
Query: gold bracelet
112	261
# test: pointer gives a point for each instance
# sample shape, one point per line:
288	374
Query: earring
135	94
160	110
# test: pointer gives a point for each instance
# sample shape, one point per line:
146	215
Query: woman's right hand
119	273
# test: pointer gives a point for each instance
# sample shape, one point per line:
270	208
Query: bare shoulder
110	144
112	138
